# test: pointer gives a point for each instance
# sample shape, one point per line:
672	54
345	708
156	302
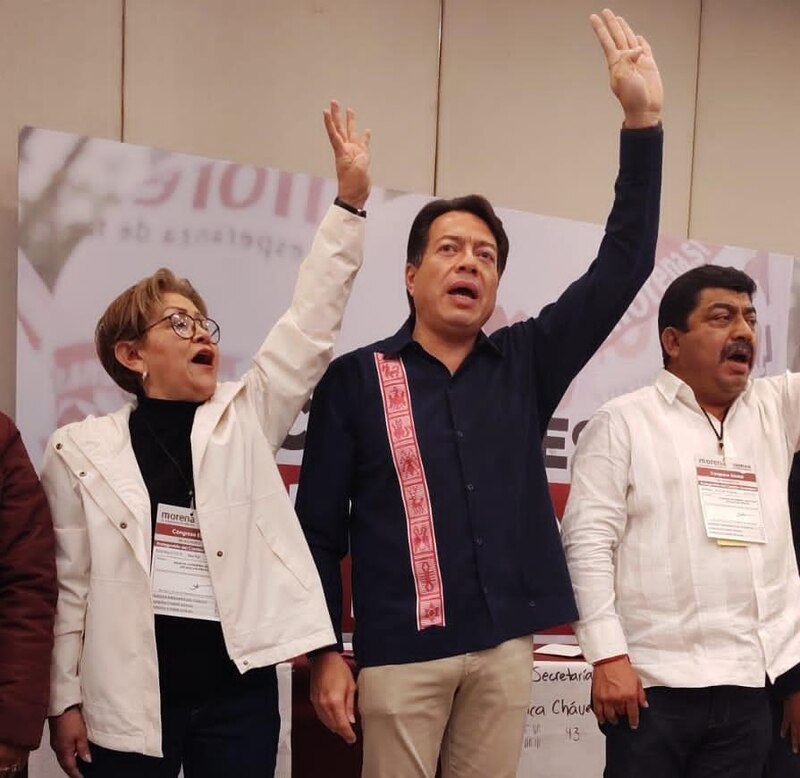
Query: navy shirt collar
402	339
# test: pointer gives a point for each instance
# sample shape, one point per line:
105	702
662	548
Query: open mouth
741	353
203	358
464	290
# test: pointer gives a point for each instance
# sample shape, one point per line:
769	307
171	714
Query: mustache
738	348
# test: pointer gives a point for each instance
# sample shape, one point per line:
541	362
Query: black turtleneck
193	663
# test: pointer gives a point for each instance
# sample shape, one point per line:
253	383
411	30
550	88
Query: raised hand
635	79
351	154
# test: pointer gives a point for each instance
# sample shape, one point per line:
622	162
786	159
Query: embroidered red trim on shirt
414	490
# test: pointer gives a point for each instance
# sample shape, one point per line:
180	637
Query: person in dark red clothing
27	602
784	759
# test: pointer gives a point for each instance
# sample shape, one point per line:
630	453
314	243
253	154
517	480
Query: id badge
730	501
180	582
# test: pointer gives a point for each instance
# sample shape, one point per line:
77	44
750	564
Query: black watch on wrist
342	204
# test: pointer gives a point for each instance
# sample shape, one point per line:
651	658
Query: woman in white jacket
183	573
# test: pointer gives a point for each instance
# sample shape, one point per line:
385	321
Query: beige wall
746	182
515	104
527	115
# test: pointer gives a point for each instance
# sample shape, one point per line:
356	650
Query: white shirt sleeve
299	347
593	525
791	409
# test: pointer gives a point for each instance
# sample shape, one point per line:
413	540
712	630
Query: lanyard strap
718	435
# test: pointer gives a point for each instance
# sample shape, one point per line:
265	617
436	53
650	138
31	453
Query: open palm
351	154
635	79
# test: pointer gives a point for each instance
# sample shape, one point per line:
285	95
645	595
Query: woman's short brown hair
129	314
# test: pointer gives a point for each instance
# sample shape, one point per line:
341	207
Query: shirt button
470	488
486	590
479	541
82	474
123	525
219	553
531	603
59	446
245	663
459	433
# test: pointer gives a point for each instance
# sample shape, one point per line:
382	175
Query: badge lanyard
718	435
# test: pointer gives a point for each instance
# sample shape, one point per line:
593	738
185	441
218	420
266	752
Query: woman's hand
68	740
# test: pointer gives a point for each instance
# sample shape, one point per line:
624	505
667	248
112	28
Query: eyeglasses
185	326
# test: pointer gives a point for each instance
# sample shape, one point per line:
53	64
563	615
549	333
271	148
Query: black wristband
342	204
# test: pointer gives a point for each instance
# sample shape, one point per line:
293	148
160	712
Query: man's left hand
791	721
635	79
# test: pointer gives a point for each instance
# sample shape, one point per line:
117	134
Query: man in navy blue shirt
423	458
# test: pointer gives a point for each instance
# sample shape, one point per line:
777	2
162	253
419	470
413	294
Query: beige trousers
471	708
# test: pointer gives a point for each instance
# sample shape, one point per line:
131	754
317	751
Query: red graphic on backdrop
83	388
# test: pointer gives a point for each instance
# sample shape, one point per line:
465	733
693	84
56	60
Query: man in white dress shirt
679	546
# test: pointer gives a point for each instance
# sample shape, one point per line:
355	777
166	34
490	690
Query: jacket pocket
299	564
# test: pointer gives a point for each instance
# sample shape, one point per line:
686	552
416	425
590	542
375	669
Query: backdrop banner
97	215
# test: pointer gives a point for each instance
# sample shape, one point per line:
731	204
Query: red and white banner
96	216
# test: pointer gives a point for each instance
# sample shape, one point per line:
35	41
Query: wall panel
746	186
61	65
528	119
247	80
